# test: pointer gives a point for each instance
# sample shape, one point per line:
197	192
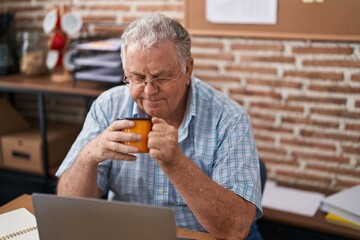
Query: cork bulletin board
337	20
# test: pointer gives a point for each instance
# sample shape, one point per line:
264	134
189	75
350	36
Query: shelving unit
41	87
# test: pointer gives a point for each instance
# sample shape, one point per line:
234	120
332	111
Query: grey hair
152	30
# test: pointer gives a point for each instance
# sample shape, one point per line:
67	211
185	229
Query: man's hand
108	145
163	142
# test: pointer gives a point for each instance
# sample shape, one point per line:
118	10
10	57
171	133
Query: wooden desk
20	83
315	223
25	201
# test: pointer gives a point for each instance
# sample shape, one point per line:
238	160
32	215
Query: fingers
120	136
121	124
156	120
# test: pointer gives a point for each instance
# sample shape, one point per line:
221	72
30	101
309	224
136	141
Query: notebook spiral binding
18	233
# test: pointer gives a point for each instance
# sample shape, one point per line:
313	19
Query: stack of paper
291	200
101	61
109	60
344	204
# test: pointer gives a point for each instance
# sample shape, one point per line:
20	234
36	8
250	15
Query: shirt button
161	191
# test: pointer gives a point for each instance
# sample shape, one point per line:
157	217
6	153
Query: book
18	224
332	218
344	204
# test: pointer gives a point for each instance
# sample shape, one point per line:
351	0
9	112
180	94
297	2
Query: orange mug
142	126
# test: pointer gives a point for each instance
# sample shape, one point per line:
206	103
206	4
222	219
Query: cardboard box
10	121
22	150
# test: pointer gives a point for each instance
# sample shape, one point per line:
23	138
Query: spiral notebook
18	224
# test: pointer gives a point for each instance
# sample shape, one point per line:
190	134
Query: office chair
254	233
263	174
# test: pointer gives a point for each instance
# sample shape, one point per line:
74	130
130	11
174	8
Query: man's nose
150	88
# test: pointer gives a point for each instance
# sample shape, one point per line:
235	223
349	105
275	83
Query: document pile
291	200
99	61
343	207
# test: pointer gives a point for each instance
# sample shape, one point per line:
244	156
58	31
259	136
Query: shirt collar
190	111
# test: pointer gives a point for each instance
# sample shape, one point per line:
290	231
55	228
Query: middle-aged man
202	161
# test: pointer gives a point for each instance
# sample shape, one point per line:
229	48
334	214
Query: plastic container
33	53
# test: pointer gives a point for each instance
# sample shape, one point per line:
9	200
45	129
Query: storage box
10	121
22	150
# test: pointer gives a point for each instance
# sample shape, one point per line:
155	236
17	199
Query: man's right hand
108	145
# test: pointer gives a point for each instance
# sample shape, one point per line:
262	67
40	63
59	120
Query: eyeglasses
159	82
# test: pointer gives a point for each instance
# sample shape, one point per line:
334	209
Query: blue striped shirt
215	133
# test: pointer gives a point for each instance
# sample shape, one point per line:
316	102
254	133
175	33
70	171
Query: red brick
207	45
99	19
109	30
208	67
279	162
277	59
212	56
336	113
261	116
241	102
218	78
352	127
335	136
263	127
129	19
306	144
321	157
332	63
254	93
338	171
334	89
273	83
326	100
111	7
257	47
277	107
315	75
272	149
263	70
310	122
259	137
159	8
355	77
20	9
323	50
304	176
346	183
351	150
357	104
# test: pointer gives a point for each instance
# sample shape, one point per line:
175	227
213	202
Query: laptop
74	218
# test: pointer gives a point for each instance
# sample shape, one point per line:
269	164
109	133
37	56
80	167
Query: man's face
166	100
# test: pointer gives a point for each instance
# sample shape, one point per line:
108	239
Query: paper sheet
242	11
291	200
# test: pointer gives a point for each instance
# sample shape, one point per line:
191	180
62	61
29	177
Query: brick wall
303	96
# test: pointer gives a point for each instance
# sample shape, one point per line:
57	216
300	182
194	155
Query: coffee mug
142	126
